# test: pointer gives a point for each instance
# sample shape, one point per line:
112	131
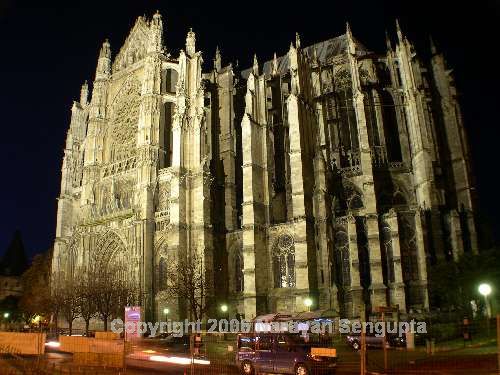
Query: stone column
253	214
322	208
397	287
298	204
456	235
421	259
377	287
356	307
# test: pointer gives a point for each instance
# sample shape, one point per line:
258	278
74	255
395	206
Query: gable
135	46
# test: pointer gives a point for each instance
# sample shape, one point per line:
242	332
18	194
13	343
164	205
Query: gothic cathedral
331	172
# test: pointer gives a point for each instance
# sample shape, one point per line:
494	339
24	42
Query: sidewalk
6	368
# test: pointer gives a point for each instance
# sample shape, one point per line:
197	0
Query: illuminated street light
485	290
308	302
224	308
6	315
166	311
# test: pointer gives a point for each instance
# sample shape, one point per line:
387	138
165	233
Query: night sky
48	51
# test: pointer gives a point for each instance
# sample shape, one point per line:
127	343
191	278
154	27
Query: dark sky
47	51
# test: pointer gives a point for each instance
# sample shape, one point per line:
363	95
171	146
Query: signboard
132	320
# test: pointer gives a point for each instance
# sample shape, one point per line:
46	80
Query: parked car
375	341
169	343
282	353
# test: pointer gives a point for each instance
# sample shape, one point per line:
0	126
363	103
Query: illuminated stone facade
331	172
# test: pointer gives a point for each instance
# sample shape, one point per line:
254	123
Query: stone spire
398	30
297	40
255	68
191	43
275	65
315	56
84	94
433	46
105	50
388	41
156	40
351	45
217	60
104	62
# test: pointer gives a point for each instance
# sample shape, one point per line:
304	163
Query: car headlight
316	358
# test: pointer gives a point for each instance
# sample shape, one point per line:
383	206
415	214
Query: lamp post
166	311
308	302
485	290
224	308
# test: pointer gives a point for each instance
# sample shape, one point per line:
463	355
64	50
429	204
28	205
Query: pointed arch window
390	125
284	262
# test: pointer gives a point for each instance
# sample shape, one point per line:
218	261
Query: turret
433	46
388	41
294	67
156	40
275	65
399	32
191	43
297	40
84	94
255	67
315	59
351	52
217	60
104	62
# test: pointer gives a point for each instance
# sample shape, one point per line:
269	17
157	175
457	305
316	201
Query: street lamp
6	315
308	302
224	308
166	311
485	290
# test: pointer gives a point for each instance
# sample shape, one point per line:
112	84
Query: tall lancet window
284	262
391	130
169	87
238	270
408	244
371	118
162	274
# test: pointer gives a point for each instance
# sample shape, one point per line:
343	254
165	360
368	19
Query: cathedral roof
325	51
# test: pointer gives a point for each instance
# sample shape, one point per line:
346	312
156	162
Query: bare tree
65	297
114	290
86	297
186	279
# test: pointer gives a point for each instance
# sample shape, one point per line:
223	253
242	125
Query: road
471	361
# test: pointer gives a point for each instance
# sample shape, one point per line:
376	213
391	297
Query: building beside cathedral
330	172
